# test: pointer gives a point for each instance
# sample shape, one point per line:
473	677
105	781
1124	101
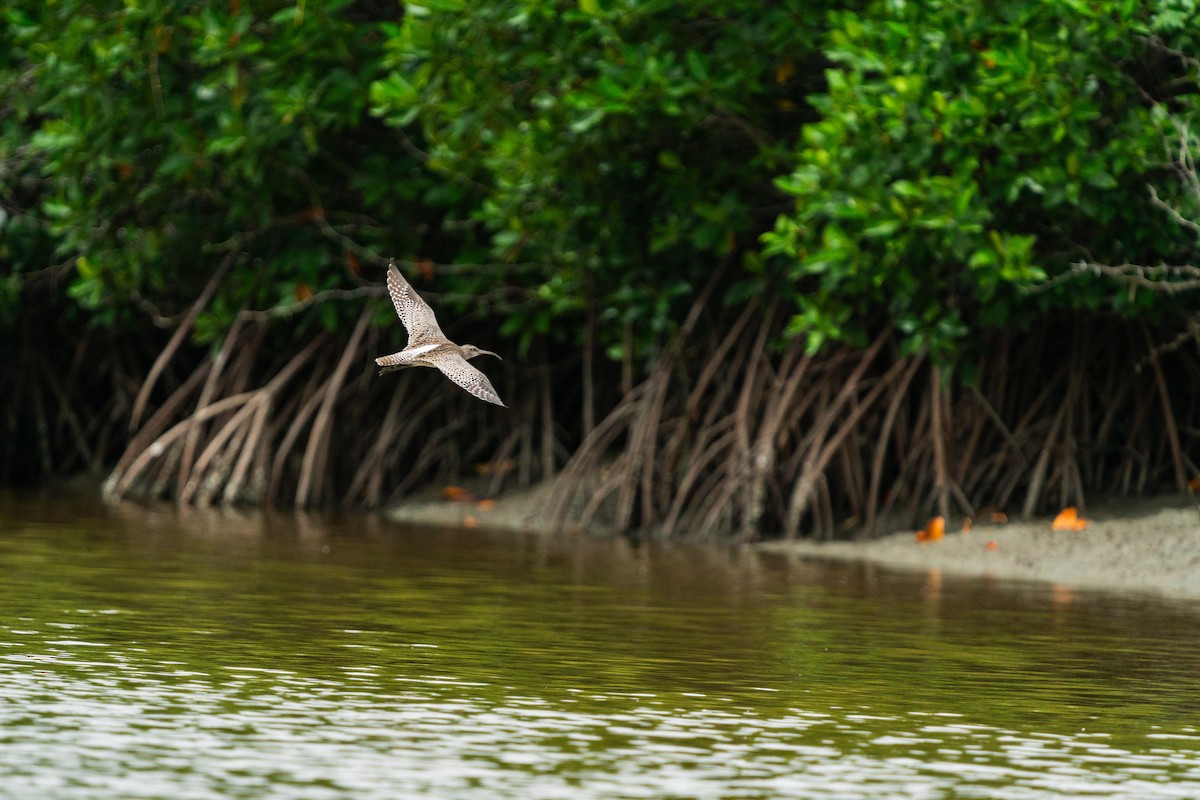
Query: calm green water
151	654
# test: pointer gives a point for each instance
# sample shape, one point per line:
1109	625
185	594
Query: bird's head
469	351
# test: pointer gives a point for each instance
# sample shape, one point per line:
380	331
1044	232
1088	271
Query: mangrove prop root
748	442
735	433
181	332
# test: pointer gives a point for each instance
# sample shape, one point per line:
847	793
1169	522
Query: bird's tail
391	363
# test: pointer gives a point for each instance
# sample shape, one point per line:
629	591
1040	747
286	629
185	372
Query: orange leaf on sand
486	505
991	545
999	517
470	522
1068	520
934	531
966	525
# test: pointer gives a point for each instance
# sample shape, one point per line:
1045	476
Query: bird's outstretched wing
456	368
415	313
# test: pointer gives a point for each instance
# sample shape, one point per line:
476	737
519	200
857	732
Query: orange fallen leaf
1068	520
456	494
934	530
425	267
991	545
784	70
999	517
495	467
966	528
470	522
486	505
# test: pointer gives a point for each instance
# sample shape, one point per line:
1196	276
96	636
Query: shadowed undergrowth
730	435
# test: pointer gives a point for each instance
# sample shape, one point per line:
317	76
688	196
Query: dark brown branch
168	352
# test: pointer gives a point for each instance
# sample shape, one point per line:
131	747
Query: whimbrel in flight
428	346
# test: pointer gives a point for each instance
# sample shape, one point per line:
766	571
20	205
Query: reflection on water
164	654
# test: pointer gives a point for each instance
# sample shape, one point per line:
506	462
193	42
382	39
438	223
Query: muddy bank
1149	547
523	510
1141	546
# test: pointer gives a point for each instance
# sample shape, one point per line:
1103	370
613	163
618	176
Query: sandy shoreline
1148	546
1155	550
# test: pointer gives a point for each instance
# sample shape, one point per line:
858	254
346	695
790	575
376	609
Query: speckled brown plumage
429	347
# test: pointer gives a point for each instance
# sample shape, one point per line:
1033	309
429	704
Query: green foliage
619	151
966	151
152	138
938	165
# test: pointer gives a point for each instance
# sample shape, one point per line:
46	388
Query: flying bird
429	347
